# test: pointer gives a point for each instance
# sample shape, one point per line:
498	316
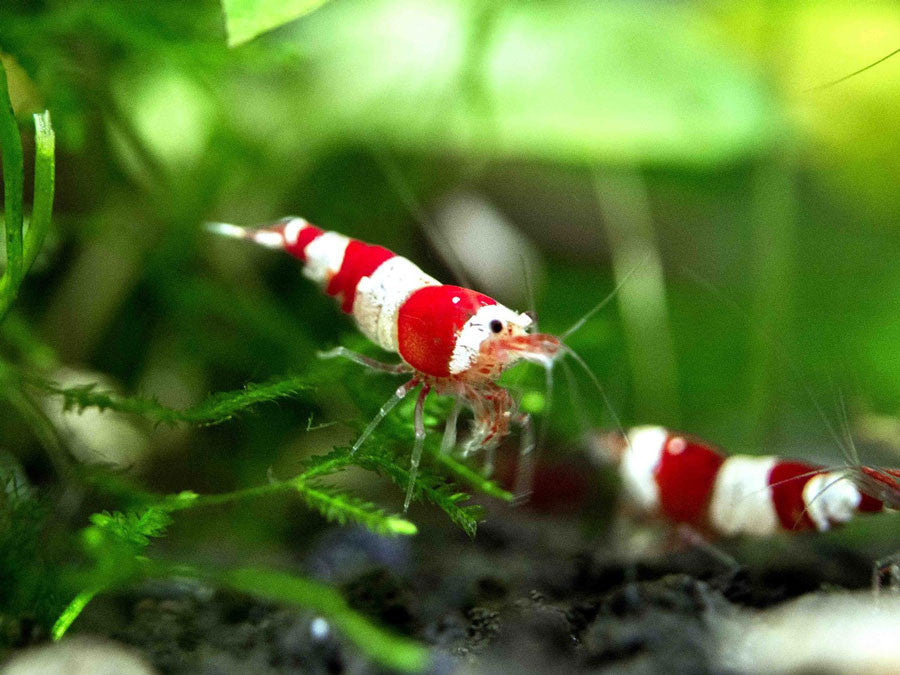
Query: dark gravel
532	593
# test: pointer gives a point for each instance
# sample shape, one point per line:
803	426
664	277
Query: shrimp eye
496	326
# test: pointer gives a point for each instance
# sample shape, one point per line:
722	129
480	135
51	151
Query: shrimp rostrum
451	340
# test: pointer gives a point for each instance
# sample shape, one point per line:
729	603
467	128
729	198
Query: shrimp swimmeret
451	340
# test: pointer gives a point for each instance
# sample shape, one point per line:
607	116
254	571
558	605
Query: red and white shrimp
452	340
686	480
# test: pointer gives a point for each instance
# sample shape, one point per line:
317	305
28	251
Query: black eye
496	326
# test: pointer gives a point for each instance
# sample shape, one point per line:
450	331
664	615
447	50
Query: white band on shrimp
742	498
830	498
292	230
324	256
380	295
477	329
639	463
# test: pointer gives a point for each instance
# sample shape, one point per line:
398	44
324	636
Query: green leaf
13	180
216	409
388	649
116	540
245	19
341	508
429	486
72	611
332	504
135	528
473	478
44	186
571	81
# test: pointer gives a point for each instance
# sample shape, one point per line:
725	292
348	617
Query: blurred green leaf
115	540
340	507
216	409
388	649
72	611
245	19
331	503
135	528
13	180
562	81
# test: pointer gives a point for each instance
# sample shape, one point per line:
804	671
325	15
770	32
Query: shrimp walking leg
448	442
525	466
368	362
419	445
492	406
398	396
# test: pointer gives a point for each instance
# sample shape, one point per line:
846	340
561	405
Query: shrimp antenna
853	74
529	290
709	287
853	453
612	412
399	182
576	398
605	301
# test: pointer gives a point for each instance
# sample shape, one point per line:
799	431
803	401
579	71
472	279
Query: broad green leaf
567	81
390	650
245	19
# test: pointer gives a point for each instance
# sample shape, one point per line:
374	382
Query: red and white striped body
437	329
684	480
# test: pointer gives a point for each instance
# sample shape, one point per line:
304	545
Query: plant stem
71	612
13	180
21	250
44	186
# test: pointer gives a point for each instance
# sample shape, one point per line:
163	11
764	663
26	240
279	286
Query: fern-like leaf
116	540
428	486
462	472
135	528
216	409
342	508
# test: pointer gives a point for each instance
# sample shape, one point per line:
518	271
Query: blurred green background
686	146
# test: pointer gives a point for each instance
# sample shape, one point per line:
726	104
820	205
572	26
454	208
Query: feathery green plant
117	542
216	409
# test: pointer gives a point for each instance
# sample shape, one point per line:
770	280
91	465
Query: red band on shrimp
685	475
787	481
298	248
869	504
886	482
360	260
429	321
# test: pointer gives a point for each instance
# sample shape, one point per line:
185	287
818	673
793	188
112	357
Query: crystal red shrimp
686	480
452	340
